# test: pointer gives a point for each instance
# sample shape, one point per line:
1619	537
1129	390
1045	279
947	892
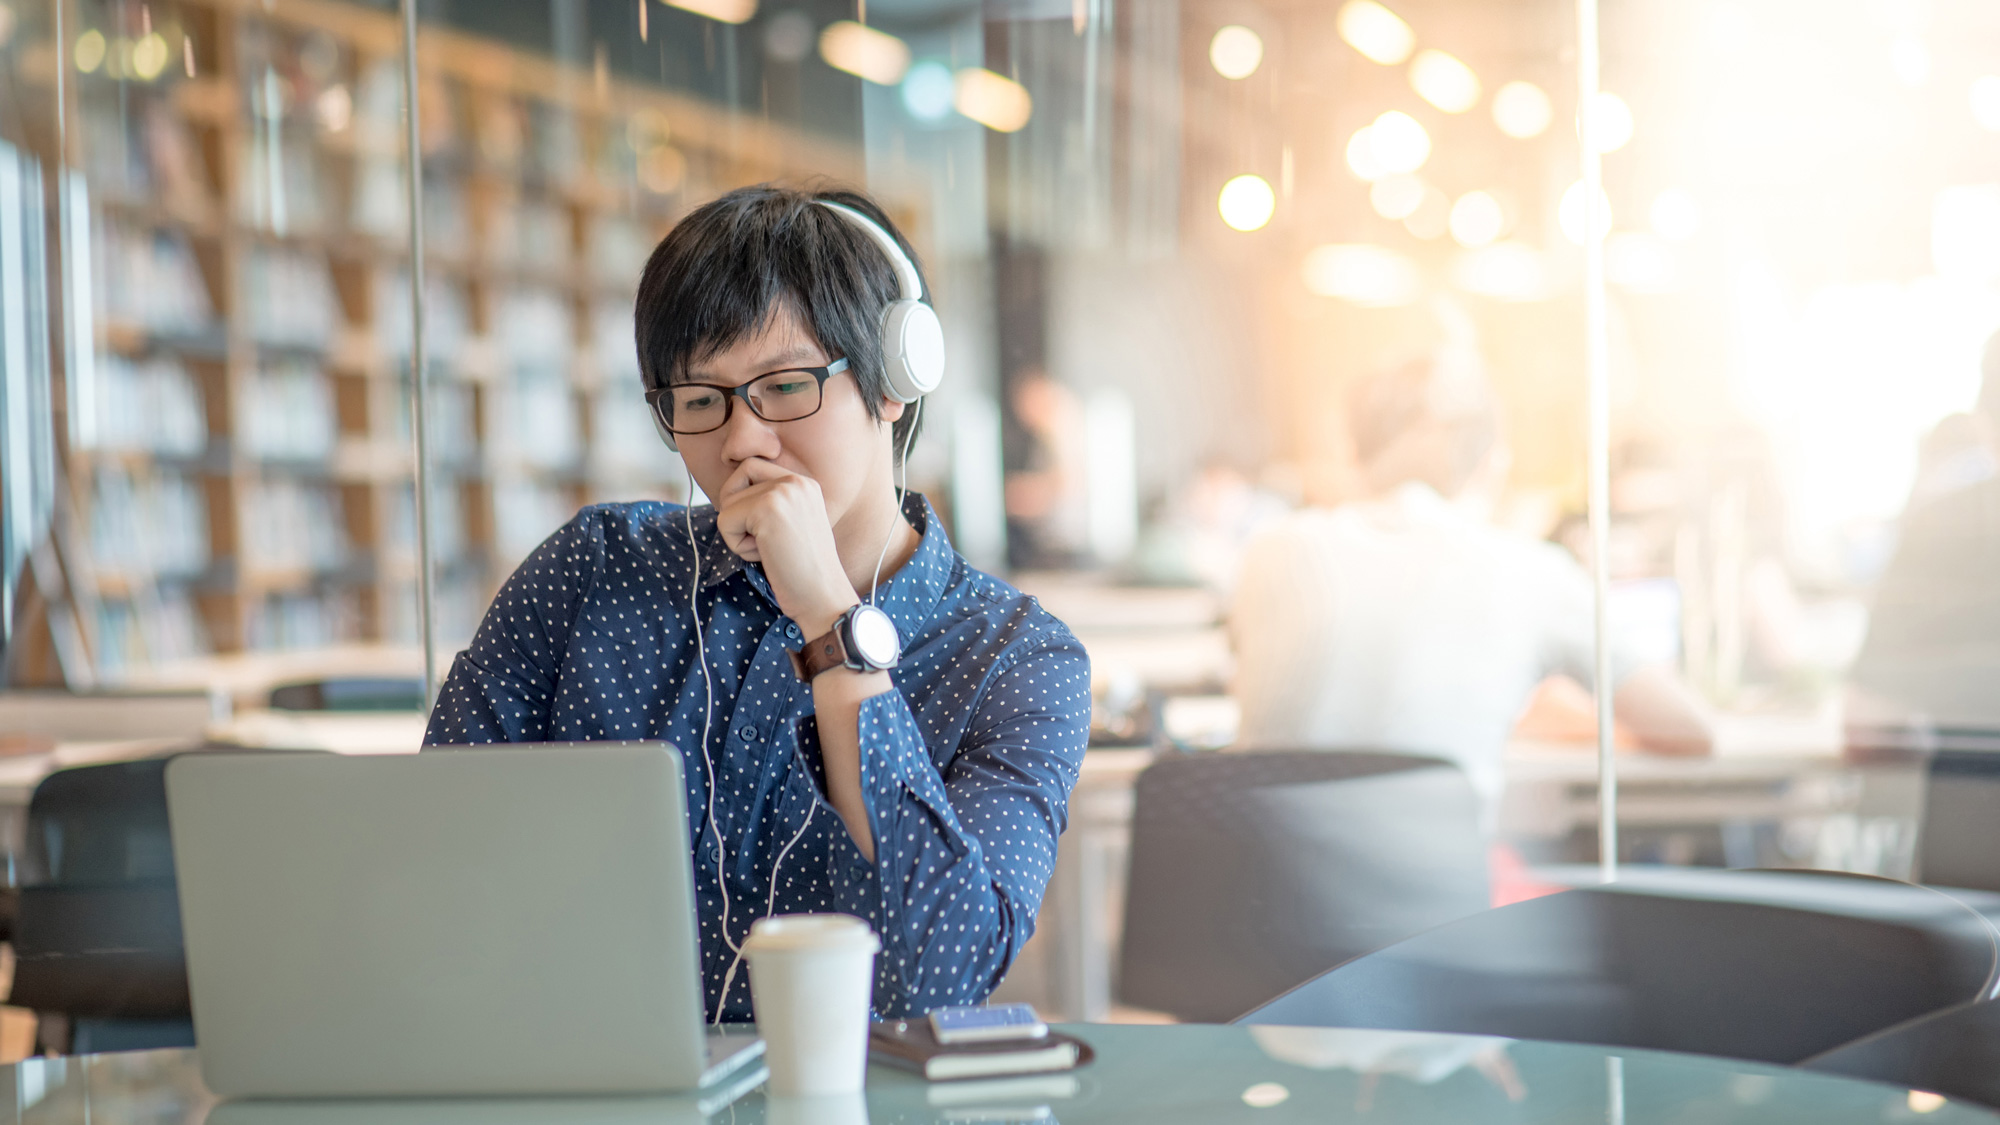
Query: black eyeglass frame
659	397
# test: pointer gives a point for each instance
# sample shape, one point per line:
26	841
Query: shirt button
747	734
792	631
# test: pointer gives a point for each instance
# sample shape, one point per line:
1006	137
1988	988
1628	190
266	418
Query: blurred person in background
1408	622
1932	656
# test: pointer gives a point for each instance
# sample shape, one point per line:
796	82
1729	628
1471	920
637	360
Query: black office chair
1769	966
97	936
1955	1052
1253	872
1958	841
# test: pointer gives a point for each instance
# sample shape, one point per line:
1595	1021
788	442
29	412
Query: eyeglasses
775	396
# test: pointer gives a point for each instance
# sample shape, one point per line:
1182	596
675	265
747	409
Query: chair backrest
1958	842
1953	1052
98	932
1252	872
1760	965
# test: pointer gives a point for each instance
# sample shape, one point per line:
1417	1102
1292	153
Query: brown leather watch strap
821	653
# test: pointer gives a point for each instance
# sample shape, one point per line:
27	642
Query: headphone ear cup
912	350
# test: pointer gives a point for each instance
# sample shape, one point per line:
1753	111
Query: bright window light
1911	61
1675	215
1986	101
1965	233
1570	213
1505	271
1611	124
1643	263
1362	274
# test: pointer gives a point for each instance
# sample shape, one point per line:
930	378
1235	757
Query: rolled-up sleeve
963	856
501	688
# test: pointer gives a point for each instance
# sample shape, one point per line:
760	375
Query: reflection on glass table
1158	1075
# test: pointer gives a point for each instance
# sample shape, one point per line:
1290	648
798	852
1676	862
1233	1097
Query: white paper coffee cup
811	979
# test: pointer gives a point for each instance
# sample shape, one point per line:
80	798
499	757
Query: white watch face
874	636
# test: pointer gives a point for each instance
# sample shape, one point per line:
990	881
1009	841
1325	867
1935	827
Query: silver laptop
481	921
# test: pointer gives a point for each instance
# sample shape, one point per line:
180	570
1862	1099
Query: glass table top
1149	1075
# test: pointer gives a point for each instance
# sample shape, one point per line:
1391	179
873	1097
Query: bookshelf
239	453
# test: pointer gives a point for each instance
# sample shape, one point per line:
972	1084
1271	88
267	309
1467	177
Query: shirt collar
909	596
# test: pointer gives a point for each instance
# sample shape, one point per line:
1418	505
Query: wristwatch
863	638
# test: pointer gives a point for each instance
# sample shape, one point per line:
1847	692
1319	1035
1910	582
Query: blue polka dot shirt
966	766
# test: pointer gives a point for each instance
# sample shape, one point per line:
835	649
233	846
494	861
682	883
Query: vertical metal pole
419	374
1614	1090
1597	355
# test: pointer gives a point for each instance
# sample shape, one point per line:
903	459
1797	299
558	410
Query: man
1932	657
1407	622
927	801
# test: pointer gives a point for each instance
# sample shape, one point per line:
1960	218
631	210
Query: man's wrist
818	622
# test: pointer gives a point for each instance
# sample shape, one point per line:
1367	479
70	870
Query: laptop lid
506	920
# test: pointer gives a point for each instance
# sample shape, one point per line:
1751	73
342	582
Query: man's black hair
730	264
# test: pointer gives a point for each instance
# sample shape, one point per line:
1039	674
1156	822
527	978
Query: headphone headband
906	271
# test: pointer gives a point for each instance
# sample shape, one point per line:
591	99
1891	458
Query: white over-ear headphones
912	338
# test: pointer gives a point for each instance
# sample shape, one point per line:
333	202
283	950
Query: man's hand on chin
771	515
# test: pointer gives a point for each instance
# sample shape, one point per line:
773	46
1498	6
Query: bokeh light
149	56
1264	1095
1570	214
1477	219
927	91
1611	123
788	36
1432	217
1522	110
1397	197
90	48
1361	157
1675	215
1443	81
1236	52
726	11
864	52
1378	33
1247	202
1362	274
1398	142
994	100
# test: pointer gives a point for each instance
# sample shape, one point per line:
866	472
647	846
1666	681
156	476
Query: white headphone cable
902	466
707	717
